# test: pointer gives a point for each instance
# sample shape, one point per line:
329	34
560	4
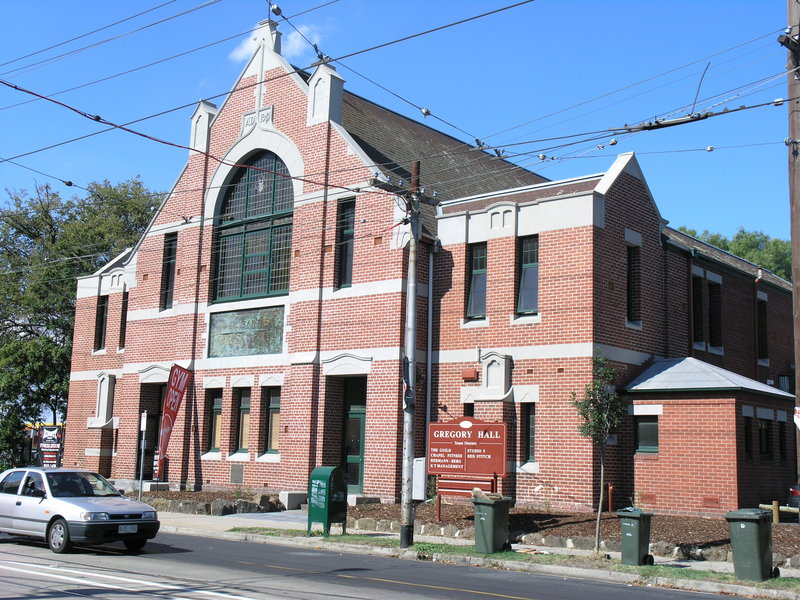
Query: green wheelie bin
491	524
751	540
635	536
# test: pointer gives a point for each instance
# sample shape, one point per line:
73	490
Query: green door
355	399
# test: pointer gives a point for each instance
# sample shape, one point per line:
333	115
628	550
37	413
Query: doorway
355	416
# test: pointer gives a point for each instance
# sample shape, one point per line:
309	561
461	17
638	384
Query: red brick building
275	270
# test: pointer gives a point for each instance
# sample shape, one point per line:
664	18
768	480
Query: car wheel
134	544
58	537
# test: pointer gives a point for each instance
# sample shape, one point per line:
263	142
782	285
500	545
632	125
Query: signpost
178	381
50	445
463	449
467	447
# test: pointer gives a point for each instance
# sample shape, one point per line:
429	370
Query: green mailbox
327	498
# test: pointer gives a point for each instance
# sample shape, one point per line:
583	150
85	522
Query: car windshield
70	485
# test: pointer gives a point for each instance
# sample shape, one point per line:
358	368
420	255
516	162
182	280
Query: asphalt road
176	567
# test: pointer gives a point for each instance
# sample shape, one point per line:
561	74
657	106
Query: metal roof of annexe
693	375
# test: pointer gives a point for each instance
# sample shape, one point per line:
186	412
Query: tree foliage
601	410
46	242
757	247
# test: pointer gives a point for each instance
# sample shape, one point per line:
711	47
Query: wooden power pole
790	41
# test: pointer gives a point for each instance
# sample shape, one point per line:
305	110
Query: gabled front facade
276	271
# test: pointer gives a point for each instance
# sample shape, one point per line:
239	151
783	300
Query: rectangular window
214	399
273	418
634	283
476	305
528	276
469	409
698	321
345	229
123	320
646	433
529	433
168	270
764	437
101	323
243	420
761	342
714	314
748	437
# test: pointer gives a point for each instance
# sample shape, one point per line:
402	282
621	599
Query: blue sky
546	69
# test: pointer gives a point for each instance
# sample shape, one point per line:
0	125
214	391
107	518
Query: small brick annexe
301	364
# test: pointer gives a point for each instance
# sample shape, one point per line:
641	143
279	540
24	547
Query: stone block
292	500
556	541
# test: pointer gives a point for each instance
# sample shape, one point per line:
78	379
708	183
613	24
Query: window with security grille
634	283
168	270
254	231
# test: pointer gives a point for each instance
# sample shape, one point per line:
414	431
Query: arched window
254	231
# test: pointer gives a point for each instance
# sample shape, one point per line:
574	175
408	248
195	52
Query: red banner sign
467	447
178	382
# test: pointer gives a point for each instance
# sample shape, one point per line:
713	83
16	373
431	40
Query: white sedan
66	506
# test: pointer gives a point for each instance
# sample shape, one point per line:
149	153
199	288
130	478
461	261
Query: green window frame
478	260
528	276
646	430
345	232
254	231
529	431
273	420
214	400
169	258
242	419
100	323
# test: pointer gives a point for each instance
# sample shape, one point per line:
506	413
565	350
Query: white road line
25	568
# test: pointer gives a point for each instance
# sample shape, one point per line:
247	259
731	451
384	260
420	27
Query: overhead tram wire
88	33
247	86
31	66
158	62
242	87
626	87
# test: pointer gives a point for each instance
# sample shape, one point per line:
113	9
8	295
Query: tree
602	411
757	247
45	243
12	437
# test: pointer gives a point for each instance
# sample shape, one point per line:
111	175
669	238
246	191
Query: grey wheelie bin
751	540
635	536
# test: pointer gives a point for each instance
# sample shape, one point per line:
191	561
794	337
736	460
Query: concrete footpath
220	526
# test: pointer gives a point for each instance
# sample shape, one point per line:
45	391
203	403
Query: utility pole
410	365
791	43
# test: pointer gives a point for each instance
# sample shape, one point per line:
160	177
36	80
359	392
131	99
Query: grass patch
663	572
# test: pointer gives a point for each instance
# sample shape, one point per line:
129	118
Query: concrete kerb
218	527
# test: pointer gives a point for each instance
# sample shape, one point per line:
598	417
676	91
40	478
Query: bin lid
748	514
630	511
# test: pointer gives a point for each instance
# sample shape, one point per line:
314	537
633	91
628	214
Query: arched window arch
254	231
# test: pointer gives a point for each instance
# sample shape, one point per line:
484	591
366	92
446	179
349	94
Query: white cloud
245	49
293	46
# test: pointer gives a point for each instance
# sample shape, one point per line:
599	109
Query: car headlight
94	516
149	514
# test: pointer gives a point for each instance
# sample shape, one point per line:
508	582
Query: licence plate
128	529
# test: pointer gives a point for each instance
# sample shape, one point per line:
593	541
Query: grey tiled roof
726	258
690	374
448	166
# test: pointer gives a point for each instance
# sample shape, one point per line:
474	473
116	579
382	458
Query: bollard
776	512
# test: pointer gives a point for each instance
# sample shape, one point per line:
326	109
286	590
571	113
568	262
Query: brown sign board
467	446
